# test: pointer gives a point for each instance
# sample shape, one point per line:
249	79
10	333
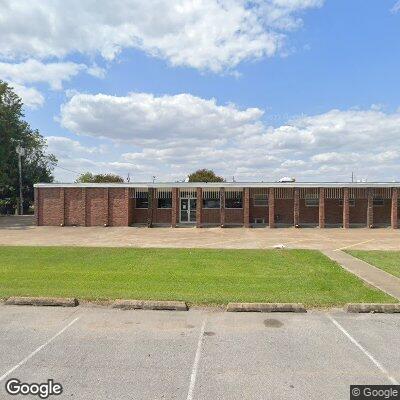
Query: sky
255	90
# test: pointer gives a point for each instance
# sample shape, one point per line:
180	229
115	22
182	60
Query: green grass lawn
194	275
389	261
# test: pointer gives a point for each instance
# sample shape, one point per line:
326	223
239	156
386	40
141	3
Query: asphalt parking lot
101	353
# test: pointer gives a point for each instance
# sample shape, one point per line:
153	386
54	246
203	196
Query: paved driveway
100	353
17	231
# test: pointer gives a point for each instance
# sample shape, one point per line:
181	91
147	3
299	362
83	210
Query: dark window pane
142	203
378	201
164	203
312	202
233	203
211	203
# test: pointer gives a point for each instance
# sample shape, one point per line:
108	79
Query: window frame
381	201
164	208
265	197
211	208
316	204
234	208
142	199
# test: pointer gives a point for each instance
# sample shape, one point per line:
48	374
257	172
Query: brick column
127	205
370	208
62	195
108	207
84	206
199	207
394	213
271	207
296	207
36	203
175	207
150	208
246	208
222	203
346	209
321	208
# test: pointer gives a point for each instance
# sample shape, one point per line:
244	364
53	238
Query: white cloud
33	71
142	118
169	136
31	97
206	34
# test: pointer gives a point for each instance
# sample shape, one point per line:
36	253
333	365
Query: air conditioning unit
259	220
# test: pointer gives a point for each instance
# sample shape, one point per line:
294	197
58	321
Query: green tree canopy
205	175
37	165
88	177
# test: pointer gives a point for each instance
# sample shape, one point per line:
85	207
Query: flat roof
222	184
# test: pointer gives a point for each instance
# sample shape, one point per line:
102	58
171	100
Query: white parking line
196	362
352	245
366	352
22	362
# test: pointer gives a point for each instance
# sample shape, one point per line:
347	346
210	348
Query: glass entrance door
188	210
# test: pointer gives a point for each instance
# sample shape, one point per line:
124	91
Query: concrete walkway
374	276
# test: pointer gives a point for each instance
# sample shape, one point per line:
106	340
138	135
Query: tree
88	177
37	165
205	175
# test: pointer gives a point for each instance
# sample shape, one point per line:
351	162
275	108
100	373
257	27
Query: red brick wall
96	207
163	215
382	214
211	216
119	206
258	211
50	206
74	206
308	215
139	214
358	213
333	212
284	211
233	215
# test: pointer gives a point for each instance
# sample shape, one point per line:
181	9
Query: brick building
225	204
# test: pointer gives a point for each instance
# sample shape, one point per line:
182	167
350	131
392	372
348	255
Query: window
312	202
260	200
164	203
211	203
378	201
234	203
352	202
142	202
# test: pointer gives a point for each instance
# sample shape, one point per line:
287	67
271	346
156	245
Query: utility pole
21	152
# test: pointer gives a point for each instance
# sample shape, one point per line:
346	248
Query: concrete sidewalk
388	283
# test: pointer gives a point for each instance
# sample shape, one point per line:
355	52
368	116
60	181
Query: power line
66	169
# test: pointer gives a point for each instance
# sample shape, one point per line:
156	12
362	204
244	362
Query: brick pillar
296	207
199	207
62	195
127	205
271	207
108	207
346	209
246	208
84	206
394	213
36	202
175	207
150	208
222	203
321	208
370	208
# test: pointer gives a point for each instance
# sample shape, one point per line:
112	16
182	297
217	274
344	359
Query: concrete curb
266	307
42	301
372	308
150	305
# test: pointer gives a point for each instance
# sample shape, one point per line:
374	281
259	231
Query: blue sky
260	90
